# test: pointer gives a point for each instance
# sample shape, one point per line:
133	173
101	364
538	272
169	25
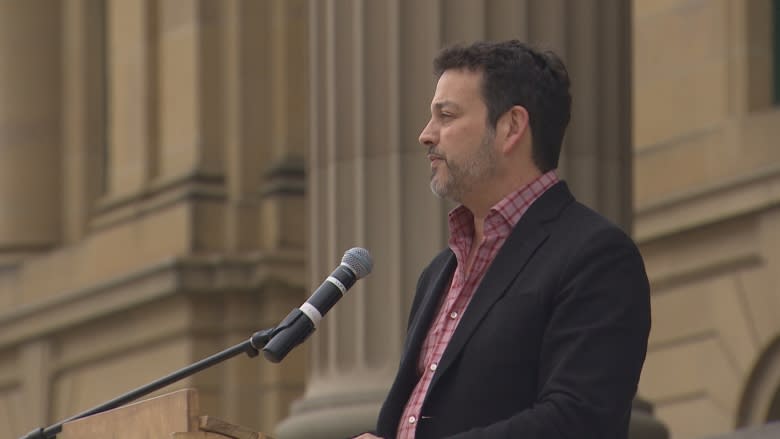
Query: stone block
769	431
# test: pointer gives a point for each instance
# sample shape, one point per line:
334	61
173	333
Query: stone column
370	84
132	97
370	89
594	39
84	121
29	125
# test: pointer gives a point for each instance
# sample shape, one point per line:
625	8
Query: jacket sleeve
593	347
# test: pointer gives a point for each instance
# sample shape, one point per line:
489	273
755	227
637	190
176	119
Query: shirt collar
508	210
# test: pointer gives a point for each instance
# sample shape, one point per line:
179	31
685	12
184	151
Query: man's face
460	143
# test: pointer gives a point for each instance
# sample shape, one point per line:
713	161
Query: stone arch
760	399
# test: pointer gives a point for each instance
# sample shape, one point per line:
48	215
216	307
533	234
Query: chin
444	193
435	190
438	190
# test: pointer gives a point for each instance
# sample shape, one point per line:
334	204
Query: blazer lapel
422	320
519	247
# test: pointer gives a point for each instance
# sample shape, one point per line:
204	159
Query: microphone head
359	261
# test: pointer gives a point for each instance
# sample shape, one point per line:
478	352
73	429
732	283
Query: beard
463	176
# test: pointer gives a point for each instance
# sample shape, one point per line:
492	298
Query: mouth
434	157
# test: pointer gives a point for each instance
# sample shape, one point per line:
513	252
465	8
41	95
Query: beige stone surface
719	310
118	373
12	414
84	122
714	308
761	303
751	55
30	126
705	198
163	183
717	157
182	200
132	96
694	417
680	68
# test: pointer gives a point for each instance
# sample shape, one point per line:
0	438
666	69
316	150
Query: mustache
433	152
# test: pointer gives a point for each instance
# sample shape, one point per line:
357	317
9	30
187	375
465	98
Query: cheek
456	141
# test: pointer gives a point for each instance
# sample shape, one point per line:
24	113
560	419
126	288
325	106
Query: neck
482	199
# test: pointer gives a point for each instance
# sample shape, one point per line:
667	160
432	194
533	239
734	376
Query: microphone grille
359	260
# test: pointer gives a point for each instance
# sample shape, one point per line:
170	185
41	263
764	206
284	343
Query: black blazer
551	345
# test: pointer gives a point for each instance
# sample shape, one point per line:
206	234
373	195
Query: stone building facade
706	163
176	174
151	200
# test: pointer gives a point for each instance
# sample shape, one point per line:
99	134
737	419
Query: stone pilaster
594	39
30	96
131	96
84	118
370	82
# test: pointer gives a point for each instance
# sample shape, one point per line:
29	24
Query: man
534	323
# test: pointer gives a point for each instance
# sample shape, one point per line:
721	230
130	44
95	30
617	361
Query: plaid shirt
497	227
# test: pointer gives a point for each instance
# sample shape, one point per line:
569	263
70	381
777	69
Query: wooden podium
171	416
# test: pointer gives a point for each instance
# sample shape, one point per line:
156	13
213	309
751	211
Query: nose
428	136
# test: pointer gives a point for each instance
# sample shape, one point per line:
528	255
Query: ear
513	128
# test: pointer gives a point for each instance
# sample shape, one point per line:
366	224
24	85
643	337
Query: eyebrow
441	104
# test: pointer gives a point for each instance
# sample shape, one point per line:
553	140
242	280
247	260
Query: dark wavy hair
514	73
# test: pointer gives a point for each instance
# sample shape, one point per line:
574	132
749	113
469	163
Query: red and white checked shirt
498	225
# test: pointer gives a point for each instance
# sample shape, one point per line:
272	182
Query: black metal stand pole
250	347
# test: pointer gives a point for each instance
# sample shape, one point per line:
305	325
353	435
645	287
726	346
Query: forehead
462	88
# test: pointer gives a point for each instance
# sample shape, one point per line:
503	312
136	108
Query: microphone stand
250	347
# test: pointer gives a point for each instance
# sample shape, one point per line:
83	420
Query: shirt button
412	419
433	367
453	315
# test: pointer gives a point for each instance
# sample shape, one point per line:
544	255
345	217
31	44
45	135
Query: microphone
301	322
